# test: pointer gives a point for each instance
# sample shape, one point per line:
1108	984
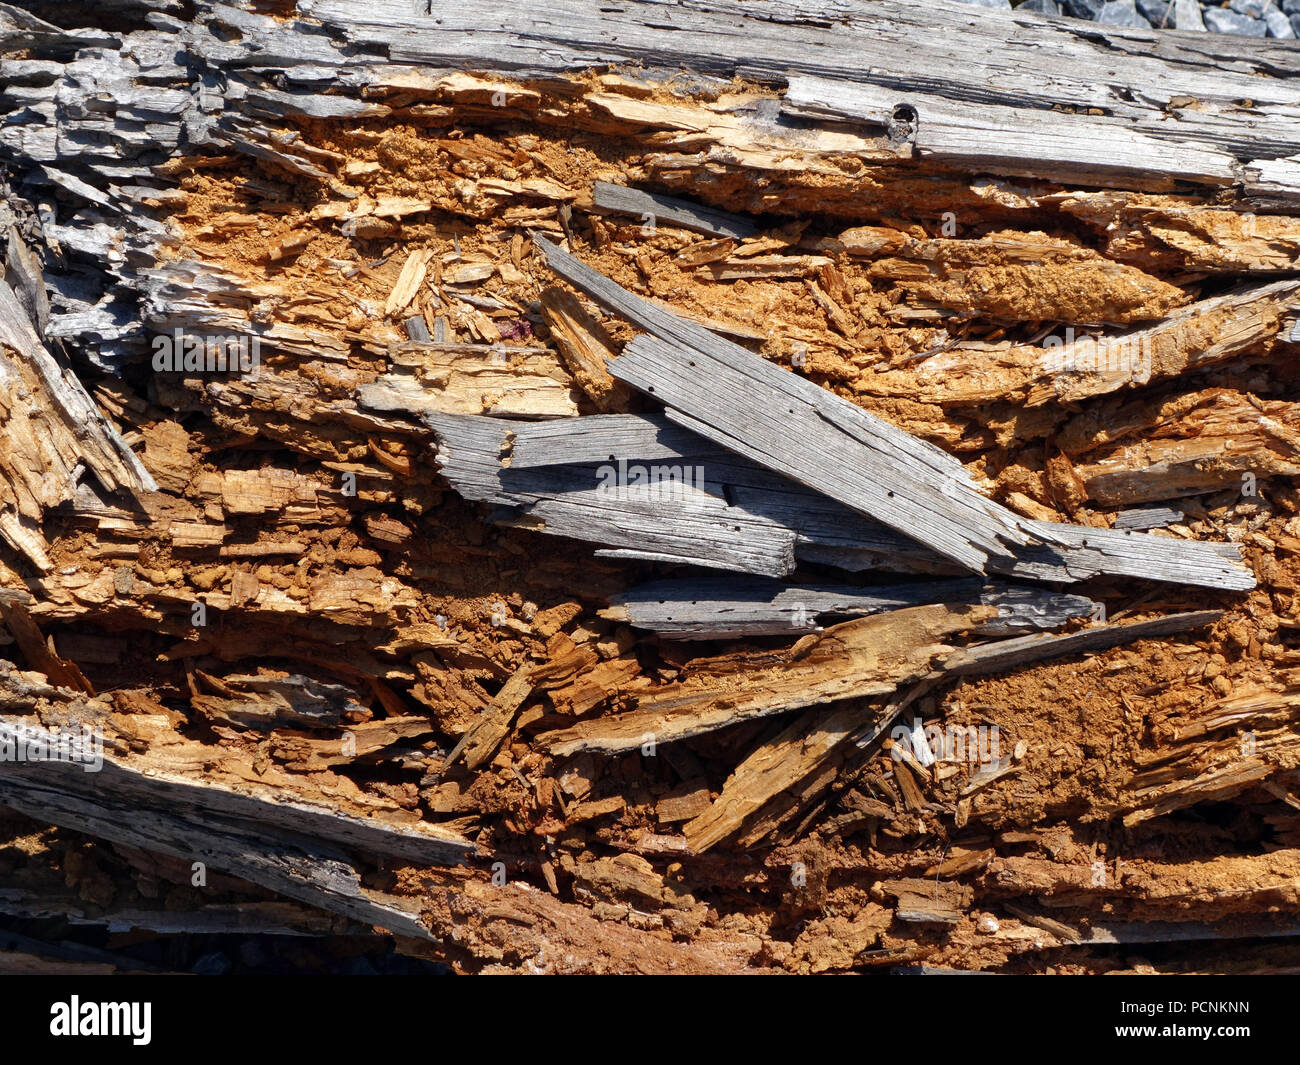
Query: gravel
1187	15
1223	20
1279	25
1156	12
1121	13
1242	18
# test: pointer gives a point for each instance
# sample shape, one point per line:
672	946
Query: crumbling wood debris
51	432
805	746
305	604
867	657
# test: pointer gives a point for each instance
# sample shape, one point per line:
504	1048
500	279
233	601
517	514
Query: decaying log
737	302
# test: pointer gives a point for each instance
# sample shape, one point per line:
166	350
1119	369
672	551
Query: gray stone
1088	9
1045	7
1221	20
1001	5
1187	15
1156	12
1291	7
1278	24
1295	24
1250	8
1121	13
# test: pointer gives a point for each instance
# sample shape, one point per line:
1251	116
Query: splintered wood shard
49	437
868	656
735	607
676	517
656	207
796	756
552	476
795	428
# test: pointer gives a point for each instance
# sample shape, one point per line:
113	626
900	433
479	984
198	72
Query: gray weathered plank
618	199
672	517
1002	655
714	608
1017	141
1136	519
792	426
547	473
1080	88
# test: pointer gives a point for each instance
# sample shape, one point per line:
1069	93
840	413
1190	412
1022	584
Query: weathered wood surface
554	476
653	208
1016	141
669	519
1140	518
1090	102
142	163
735	608
799	430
